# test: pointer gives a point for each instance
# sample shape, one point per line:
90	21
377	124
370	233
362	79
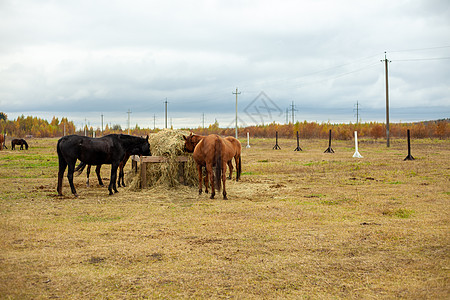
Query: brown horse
195	139
211	151
19	142
2	141
237	157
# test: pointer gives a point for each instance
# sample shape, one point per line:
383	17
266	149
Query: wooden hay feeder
145	161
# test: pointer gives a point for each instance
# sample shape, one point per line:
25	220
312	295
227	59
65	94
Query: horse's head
145	147
189	144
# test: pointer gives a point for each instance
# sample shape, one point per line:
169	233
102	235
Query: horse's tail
79	169
239	169
218	156
62	167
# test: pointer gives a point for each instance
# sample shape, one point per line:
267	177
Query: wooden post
409	157
298	144
143	174
329	149
276	147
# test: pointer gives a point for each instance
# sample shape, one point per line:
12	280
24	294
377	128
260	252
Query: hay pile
168	143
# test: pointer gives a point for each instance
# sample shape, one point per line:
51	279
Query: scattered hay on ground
170	144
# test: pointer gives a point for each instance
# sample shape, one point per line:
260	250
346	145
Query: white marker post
357	155
248	140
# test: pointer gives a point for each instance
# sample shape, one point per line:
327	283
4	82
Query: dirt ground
298	225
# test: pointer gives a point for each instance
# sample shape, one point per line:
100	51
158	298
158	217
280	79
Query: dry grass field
299	225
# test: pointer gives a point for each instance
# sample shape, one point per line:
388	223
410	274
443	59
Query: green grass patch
251	173
399	213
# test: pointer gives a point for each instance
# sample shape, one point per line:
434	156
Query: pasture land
299	225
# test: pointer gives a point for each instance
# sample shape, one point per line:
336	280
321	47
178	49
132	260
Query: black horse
19	142
122	164
109	149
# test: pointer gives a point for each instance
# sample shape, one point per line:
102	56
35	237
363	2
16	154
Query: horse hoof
200	192
225	198
76	195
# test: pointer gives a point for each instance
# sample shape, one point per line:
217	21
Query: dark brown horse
109	149
195	139
19	142
211	151
122	164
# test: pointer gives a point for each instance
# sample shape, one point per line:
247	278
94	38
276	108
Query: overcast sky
81	59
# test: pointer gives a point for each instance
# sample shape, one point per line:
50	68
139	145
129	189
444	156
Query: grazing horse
212	151
122	164
18	142
2	141
195	139
109	149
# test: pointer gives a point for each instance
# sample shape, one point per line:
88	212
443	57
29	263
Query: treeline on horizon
35	127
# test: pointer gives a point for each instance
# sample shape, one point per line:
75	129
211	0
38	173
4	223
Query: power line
419	59
420	49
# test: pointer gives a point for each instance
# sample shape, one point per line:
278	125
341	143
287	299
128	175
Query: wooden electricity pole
165	102
236	126
387	98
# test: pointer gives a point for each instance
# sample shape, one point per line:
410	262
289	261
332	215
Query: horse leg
70	170
230	165
62	169
224	178
200	178
112	182
121	175
209	170
88	171
237	160
121	172
206	182
97	171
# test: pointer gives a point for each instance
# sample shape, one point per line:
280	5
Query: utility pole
85	127
102	122
357	112
129	112
165	102
154	121
293	109
387	98
236	93
203	120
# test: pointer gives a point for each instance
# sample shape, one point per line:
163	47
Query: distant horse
18	142
109	149
122	164
2	141
211	151
195	139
